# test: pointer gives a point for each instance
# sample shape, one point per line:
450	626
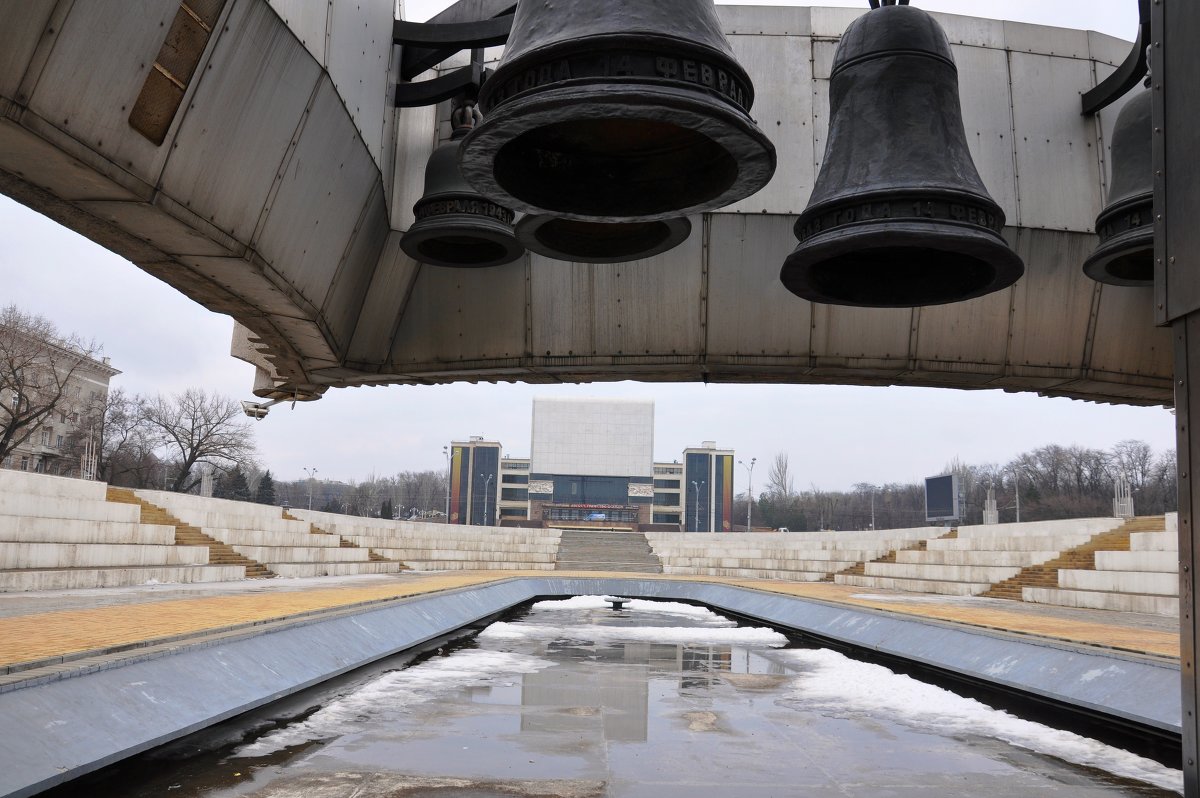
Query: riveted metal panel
27	155
563	307
872	336
360	46
822	54
415	139
169	234
306	337
972	31
749	310
1056	145
780	68
1108	50
386	299
246	109
19	37
760	21
247	278
832	22
1126	338
648	306
308	21
325	186
968	333
1052	303
456	315
987	119
349	289
77	72
1022	37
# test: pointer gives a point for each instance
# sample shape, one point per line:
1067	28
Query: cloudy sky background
835	436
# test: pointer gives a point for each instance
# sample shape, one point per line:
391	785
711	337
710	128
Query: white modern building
591	465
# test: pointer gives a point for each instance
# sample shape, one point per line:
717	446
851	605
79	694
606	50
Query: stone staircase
372	555
583	550
1079	558
860	568
187	535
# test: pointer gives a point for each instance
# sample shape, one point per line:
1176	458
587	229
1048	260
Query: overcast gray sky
835	436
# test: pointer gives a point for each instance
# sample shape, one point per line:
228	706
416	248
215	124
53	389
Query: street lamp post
696	506
749	489
872	508
446	452
312	472
487	492
1017	491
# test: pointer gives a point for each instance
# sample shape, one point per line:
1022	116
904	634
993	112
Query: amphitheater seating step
187	535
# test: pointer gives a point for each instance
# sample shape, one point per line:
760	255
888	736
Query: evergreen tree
266	489
238	489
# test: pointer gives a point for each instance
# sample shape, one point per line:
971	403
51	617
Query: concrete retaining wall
150	697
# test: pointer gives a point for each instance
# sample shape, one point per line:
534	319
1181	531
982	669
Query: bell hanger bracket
1133	69
878	3
465	25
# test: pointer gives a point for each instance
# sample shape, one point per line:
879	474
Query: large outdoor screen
941	497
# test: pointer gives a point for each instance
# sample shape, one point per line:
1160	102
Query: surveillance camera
256	411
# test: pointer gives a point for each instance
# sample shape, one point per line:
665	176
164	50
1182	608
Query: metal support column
1175	71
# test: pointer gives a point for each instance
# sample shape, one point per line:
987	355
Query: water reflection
657	700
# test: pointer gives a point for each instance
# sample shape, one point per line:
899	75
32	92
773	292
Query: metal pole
1017	489
311	473
446	452
487	490
872	508
749	489
695	506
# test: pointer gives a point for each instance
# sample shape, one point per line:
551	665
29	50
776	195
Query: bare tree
39	368
779	478
196	427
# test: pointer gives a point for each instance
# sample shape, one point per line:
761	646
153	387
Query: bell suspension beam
1132	70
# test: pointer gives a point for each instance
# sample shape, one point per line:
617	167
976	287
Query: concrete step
941	587
692	555
1009	543
1154	541
57	530
33	484
305	569
269	555
948	573
456	554
818	566
1018	559
444	545
27	505
97	555
1160	584
1160	561
750	573
248	537
477	565
73	578
1167	606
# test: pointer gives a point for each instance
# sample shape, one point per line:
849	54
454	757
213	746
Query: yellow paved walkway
37	636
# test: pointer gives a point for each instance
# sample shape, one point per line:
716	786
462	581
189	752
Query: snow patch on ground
833	684
636	605
391	694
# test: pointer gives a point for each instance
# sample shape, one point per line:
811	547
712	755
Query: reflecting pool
573	698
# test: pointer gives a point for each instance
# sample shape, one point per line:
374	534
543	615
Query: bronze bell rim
591	99
483	229
972	241
673	232
1098	265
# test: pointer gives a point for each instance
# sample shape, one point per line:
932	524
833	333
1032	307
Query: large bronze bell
455	226
617	111
600	242
1126	225
898	215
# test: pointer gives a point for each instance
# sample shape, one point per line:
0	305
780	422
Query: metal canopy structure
286	177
